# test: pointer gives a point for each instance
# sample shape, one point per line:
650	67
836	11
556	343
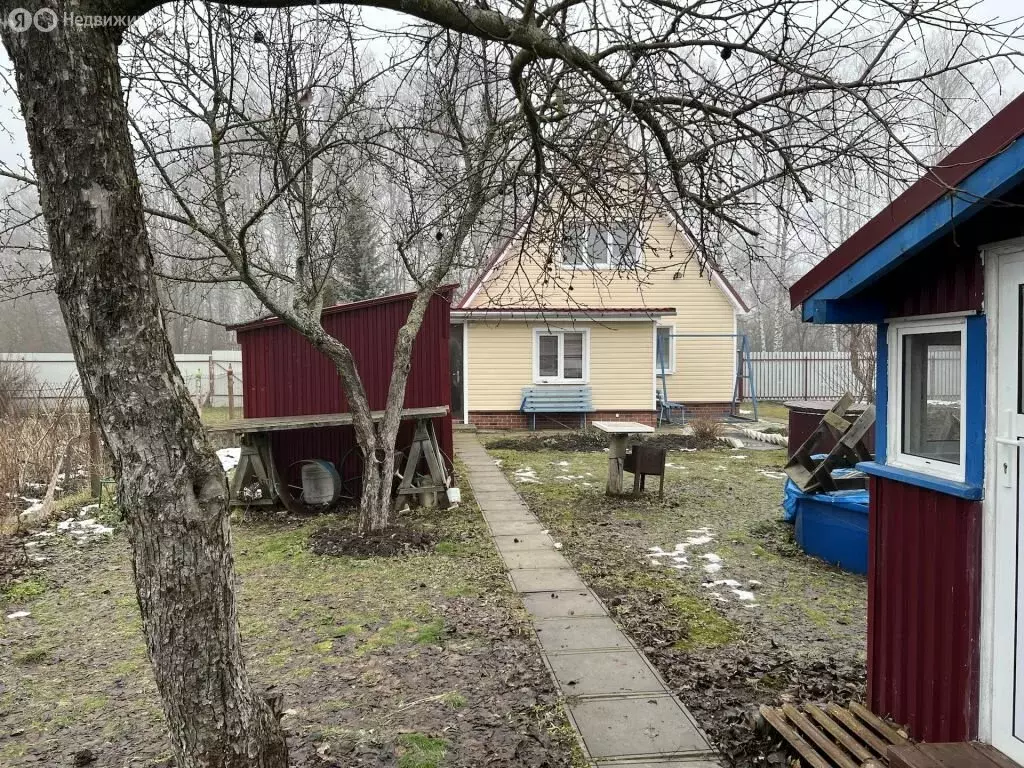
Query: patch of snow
719	468
498	462
714	562
560	464
771	474
738	457
83	530
569	478
229	458
18	615
558	545
527	475
743	594
88	509
731	583
670	465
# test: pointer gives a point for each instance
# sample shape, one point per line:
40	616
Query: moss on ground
417	750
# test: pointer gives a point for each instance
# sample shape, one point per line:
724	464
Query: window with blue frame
926	406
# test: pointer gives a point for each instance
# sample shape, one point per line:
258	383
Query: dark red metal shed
283	375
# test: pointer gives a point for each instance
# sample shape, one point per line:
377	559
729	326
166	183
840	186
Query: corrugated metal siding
284	375
924	607
946	277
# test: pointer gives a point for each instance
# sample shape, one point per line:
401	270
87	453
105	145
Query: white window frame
606	228
895	456
671	368
560	333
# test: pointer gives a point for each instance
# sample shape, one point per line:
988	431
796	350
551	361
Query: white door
1008	579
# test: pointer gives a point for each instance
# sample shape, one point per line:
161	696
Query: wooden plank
836	422
823	742
807	753
860	427
856	726
998	759
284	423
838	733
877	723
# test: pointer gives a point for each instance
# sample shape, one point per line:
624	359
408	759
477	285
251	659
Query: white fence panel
827	375
205	375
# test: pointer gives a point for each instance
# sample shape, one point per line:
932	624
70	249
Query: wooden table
256	460
618	437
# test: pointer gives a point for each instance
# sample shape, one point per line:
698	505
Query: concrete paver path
621	708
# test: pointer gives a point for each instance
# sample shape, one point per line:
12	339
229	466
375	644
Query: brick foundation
707	410
517	420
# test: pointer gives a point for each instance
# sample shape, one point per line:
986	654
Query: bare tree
698	94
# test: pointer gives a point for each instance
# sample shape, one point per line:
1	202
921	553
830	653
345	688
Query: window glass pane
625	244
597	246
573	364
931	395
664	349
573	245
547	349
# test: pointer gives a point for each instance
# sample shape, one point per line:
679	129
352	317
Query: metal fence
827	375
214	380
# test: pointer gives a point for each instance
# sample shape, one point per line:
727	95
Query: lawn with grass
420	660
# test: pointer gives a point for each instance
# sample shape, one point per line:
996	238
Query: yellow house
621	310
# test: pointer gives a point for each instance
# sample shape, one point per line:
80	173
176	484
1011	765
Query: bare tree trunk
171	488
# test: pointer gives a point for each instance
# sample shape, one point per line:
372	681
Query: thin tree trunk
171	488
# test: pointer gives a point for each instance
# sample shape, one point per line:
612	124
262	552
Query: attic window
591	245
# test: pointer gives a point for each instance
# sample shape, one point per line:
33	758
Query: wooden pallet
960	755
832	736
812	475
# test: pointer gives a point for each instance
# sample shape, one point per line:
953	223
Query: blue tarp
832	526
792	493
857	497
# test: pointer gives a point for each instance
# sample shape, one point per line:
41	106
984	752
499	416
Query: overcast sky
10	116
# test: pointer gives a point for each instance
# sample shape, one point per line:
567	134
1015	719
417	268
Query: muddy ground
418	661
591	440
778	626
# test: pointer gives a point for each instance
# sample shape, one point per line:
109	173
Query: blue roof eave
1000	174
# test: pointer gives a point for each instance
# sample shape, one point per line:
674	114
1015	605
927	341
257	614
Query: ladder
744	378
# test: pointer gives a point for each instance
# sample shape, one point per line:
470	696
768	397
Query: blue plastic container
832	526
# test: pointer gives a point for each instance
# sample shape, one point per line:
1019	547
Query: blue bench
556	399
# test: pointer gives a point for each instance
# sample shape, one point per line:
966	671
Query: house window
665	359
927	433
561	357
589	245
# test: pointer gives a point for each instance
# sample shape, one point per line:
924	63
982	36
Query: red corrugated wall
924	608
283	375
